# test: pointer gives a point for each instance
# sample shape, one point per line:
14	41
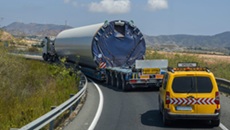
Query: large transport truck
111	51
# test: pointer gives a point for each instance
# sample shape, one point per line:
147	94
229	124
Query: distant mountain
221	40
177	42
33	29
5	36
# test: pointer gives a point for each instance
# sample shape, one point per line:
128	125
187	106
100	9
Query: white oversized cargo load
116	43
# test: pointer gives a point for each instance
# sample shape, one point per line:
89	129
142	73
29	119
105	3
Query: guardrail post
52	122
50	117
71	108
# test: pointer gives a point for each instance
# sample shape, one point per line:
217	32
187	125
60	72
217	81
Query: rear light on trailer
132	81
167	97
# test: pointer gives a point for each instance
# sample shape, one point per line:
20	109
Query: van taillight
167	98
217	98
217	101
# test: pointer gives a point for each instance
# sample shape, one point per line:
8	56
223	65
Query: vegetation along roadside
219	67
29	88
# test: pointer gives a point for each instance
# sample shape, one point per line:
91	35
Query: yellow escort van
189	92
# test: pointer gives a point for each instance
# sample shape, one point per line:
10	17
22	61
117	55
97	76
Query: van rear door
205	95
183	97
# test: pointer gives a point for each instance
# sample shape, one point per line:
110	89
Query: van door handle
190	97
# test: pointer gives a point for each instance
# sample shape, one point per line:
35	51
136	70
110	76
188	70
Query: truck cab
48	51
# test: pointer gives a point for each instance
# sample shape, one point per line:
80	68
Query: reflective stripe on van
192	101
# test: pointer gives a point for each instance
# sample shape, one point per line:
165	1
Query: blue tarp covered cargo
116	43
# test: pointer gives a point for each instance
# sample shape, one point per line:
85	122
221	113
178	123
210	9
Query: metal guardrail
53	114
225	82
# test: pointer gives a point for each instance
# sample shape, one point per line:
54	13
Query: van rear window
204	85
183	85
192	85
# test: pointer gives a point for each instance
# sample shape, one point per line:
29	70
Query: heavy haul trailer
105	51
146	73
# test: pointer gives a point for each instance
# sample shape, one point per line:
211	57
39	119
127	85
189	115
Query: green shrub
29	88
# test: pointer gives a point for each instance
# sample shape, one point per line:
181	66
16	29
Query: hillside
221	40
33	29
5	36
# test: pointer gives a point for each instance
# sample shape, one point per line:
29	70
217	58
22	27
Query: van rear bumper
174	116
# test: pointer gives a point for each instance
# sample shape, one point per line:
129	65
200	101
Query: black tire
108	78
166	121
119	82
113	80
45	57
124	86
123	83
160	105
215	123
53	58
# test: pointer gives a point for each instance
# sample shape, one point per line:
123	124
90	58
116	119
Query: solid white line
223	127
99	109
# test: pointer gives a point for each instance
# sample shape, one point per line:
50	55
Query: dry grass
219	65
209	58
29	88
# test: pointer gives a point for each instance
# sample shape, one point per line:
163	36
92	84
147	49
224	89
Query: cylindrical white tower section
76	42
116	43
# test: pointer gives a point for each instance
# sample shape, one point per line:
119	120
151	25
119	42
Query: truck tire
45	57
124	86
119	81
53	58
113	80
108	78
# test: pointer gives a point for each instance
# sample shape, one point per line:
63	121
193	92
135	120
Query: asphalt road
135	110
88	111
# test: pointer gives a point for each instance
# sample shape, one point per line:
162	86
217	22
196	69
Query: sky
152	17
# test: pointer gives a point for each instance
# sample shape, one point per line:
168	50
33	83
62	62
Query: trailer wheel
108	78
119	81
52	58
45	57
113	80
124	87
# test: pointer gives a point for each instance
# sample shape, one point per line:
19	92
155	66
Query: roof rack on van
187	66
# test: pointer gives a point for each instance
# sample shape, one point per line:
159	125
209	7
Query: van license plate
183	108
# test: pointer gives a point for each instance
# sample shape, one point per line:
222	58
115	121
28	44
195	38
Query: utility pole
1	19
66	24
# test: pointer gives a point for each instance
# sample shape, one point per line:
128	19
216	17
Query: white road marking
99	109
223	127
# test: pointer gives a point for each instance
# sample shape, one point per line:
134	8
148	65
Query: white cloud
158	4
72	2
67	1
110	6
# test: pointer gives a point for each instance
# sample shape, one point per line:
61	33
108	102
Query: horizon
152	17
140	30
